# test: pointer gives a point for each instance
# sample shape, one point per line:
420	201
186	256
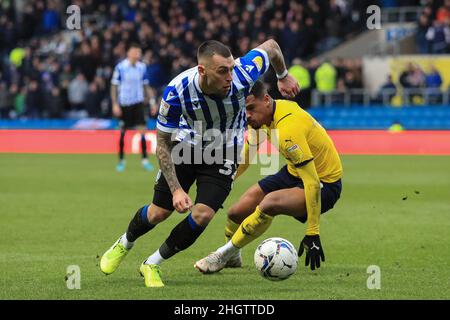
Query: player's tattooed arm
275	55
163	152
287	84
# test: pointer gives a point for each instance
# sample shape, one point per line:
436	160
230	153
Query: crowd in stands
416	85
48	71
433	32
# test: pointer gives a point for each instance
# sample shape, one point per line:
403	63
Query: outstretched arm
288	86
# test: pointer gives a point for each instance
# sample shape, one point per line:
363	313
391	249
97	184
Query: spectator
33	101
169	32
443	14
433	82
93	101
84	61
54	103
6	100
325	77
423	44
302	75
77	91
387	91
50	18
433	79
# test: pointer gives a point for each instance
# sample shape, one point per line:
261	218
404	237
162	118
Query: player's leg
180	238
254	221
213	186
145	219
259	221
141	125
236	214
145	162
290	202
150	268
125	123
244	207
121	165
210	197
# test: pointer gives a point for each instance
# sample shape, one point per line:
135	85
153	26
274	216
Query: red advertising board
106	141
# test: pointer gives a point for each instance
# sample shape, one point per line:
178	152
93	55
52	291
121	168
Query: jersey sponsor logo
258	61
164	108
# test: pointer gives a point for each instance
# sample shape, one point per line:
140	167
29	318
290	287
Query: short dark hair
212	47
133	45
259	89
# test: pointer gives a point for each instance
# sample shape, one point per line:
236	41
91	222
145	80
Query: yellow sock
230	228
251	228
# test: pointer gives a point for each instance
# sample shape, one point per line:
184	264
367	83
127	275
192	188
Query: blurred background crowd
47	71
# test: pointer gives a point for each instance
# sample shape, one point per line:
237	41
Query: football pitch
63	210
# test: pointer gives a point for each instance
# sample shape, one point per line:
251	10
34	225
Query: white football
276	259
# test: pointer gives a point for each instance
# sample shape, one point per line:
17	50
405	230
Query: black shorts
132	116
330	192
213	181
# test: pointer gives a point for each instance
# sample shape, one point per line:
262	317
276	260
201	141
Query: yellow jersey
300	139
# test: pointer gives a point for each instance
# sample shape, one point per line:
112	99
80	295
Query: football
276	259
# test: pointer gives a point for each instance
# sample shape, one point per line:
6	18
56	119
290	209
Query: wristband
283	75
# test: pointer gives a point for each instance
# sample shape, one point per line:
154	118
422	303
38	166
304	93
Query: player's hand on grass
181	201
288	86
314	251
117	112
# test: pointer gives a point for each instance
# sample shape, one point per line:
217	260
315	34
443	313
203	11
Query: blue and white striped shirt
131	80
185	103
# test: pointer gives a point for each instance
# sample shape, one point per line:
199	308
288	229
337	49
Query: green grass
61	210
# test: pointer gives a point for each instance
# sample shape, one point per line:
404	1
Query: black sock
139	225
121	143
143	147
182	236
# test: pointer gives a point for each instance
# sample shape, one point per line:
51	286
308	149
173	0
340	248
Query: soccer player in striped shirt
208	98
129	86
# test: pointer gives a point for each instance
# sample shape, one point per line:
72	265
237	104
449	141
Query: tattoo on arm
275	55
113	94
163	152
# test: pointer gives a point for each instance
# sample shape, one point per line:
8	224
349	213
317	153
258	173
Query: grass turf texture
61	210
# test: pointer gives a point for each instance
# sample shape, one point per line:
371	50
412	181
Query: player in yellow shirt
310	183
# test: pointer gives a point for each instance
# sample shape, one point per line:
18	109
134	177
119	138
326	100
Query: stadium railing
400	14
403	97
